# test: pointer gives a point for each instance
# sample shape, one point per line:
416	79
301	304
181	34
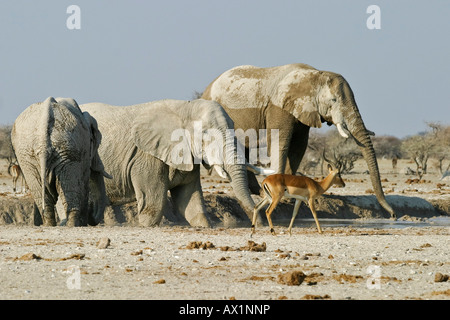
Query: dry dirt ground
365	258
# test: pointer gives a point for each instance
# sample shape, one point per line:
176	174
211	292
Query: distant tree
313	158
433	143
387	146
440	138
425	145
418	148
340	152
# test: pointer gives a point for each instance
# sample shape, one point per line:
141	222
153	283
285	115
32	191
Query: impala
16	173
279	186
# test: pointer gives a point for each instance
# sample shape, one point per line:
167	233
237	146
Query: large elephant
155	147
56	146
293	98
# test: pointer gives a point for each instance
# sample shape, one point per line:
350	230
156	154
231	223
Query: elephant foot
199	220
49	219
109	217
48	222
148	220
73	219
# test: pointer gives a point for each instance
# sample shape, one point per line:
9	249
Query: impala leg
294	214
269	211
256	211
313	210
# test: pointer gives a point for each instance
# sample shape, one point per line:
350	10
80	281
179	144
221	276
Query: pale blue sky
129	52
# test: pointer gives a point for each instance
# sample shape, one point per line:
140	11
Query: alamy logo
73	282
73	21
374	280
216	147
374	20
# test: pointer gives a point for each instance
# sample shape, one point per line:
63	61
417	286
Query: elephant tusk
222	173
107	175
342	131
259	171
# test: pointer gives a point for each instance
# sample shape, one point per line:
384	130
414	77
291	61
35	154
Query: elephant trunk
362	137
239	183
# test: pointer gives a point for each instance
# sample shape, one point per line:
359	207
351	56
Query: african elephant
56	146
156	147
293	98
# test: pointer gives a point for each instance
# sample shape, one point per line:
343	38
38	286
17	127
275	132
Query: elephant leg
49	218
282	121
37	218
151	206
98	199
72	185
188	201
151	192
44	212
36	192
71	211
297	148
50	199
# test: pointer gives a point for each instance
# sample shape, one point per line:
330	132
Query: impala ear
161	132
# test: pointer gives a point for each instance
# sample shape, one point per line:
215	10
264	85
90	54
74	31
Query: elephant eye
334	99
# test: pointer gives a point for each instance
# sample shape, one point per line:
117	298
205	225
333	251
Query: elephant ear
296	94
307	114
161	132
96	138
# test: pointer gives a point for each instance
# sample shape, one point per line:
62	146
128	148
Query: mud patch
343	278
316	297
251	246
31	256
18	211
291	278
200	245
28	257
439	277
225	210
438	293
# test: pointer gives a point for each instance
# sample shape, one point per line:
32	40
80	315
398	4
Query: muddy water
369	223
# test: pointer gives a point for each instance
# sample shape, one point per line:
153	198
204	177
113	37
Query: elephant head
314	97
185	133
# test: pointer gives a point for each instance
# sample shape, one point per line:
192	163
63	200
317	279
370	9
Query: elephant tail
46	120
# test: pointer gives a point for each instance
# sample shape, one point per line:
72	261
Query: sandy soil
179	262
189	263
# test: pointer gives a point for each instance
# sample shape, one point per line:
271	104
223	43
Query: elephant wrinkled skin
56	146
293	98
138	149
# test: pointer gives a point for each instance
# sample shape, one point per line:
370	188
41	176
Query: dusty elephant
56	146
293	98
153	148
